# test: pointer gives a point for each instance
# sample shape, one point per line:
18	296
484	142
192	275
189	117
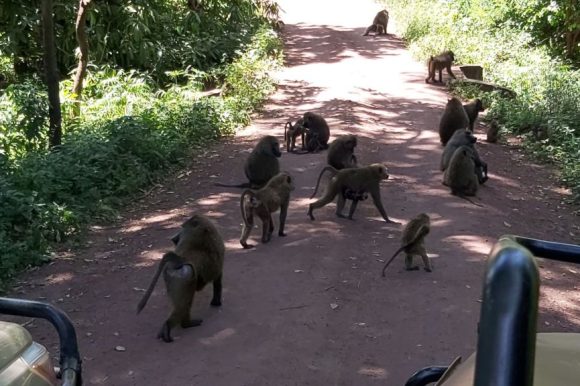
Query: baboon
341	152
380	23
464	138
460	175
472	110
412	243
454	118
492	132
347	194
291	132
438	63
261	165
354	181
197	260
317	132
262	203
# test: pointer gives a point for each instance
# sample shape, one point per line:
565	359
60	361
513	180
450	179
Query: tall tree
51	75
83	53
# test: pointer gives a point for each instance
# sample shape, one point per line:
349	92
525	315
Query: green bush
493	34
129	135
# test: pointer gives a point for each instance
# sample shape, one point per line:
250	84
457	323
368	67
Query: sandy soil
311	308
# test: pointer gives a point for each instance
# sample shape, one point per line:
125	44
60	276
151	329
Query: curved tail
330	168
393	258
168	258
242	185
243	207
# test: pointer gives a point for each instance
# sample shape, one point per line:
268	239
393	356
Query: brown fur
341	152
437	63
291	132
454	118
413	243
380	23
197	260
464	138
472	110
460	175
317	132
261	165
493	132
357	180
275	195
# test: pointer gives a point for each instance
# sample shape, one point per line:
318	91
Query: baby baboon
454	118
317	132
291	132
261	165
197	260
492	132
262	203
412	243
464	138
438	63
460	175
472	109
380	23
354	181
341	152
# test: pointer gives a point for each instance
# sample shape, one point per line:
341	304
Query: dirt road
311	308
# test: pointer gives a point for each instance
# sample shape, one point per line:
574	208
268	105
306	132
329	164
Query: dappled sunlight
218	199
150	257
59	278
144	222
218	337
374	372
475	244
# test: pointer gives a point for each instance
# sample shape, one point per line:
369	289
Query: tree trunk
83	54
51	71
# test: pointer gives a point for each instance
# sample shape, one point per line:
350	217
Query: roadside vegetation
160	78
529	46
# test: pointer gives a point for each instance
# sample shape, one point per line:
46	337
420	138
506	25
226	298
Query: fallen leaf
298	271
507	224
333	306
120	348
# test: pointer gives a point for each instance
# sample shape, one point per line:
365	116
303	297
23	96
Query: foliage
129	135
146	35
492	33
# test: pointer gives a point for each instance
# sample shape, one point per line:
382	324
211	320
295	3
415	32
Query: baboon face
271	146
381	171
451	55
469	137
350	143
479	105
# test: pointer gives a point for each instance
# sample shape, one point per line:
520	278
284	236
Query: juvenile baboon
261	165
472	110
354	181
262	203
492	132
454	118
380	23
438	63
317	132
413	243
291	132
464	138
460	175
341	152
197	260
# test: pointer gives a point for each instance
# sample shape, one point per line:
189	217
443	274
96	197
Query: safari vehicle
25	362
509	352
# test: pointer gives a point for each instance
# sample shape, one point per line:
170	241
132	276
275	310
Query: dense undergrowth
134	127
502	36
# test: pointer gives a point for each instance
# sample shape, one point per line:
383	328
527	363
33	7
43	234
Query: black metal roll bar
70	360
507	329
